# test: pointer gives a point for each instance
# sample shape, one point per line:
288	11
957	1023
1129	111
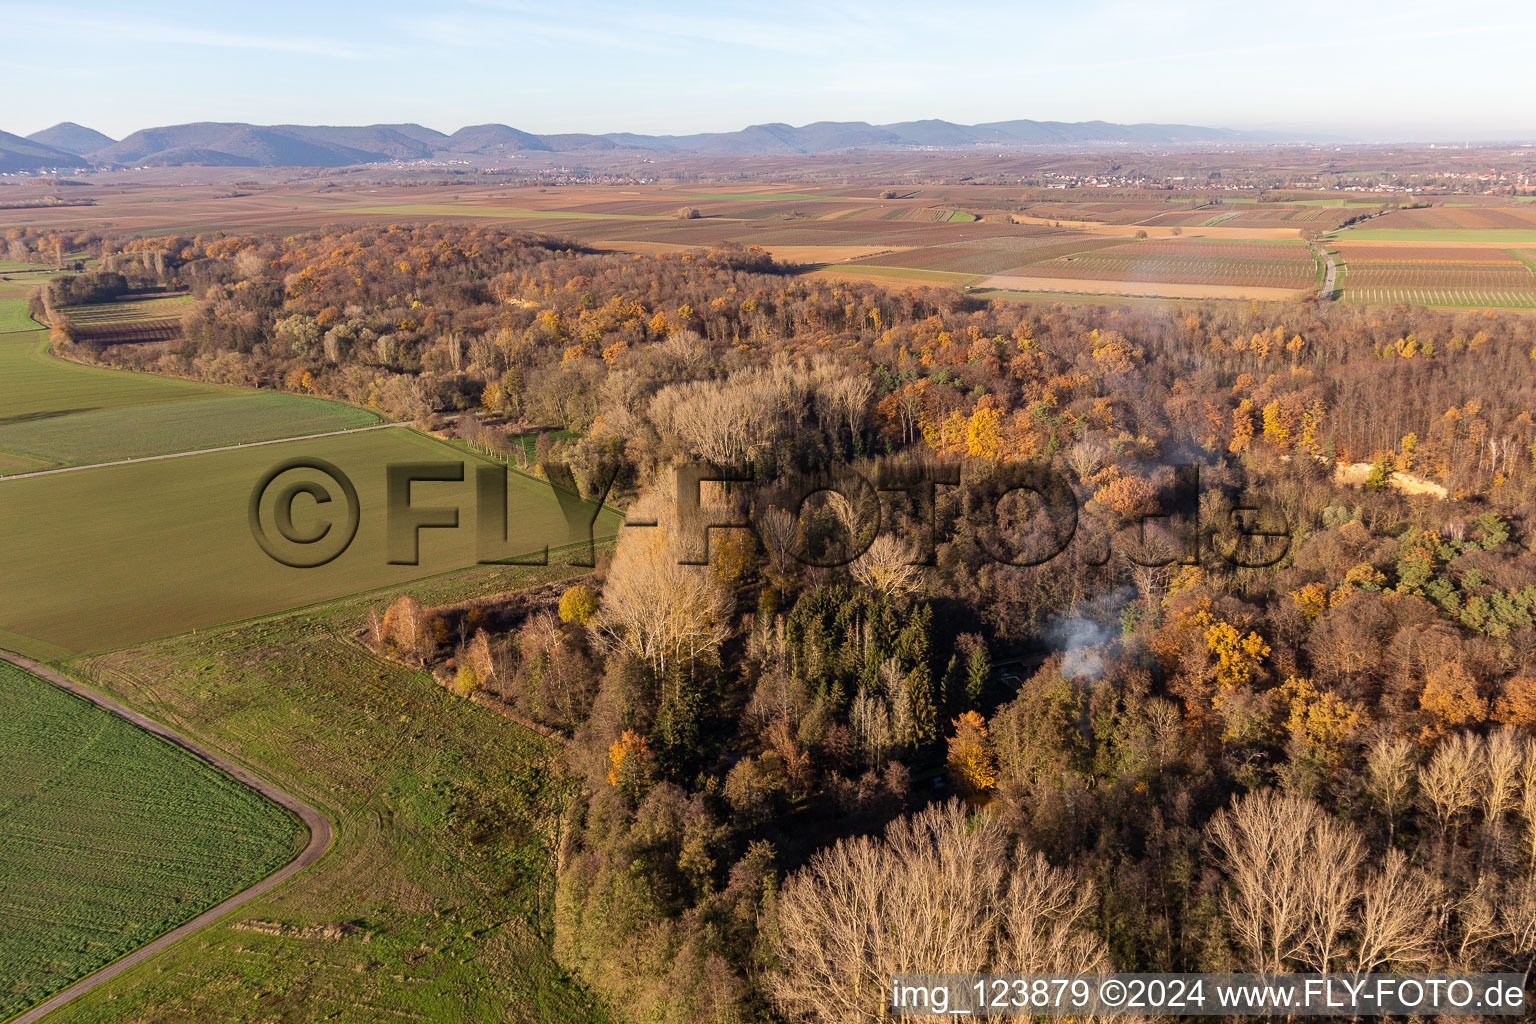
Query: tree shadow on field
45	414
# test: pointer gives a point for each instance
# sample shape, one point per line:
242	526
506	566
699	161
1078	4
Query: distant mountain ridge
19	154
72	138
235	144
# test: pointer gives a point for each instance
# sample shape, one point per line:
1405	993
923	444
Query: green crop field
111	837
32	382
14	316
102	435
439	886
53	411
97	558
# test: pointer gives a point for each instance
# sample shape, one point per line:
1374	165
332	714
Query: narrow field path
1333	274
201	451
319	830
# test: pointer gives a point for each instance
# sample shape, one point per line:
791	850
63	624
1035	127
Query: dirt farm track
318	825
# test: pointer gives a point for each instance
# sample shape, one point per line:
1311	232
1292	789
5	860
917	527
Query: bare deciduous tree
478	653
887	567
1085	457
406	624
654	605
870	719
1395	923
1289	867
1046	927
778	531
1477	927
1505	754
1389	775
1301	891
939	894
717	422
1450	782
1330	890
1528	805
1517	909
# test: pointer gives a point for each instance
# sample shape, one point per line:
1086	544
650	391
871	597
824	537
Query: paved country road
200	451
319	835
1333	274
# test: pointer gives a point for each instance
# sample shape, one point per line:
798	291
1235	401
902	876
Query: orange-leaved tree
972	761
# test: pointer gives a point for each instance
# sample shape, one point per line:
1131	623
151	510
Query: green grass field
445	821
88	436
111	837
53	411
113	555
34	382
11	463
530	441
14	316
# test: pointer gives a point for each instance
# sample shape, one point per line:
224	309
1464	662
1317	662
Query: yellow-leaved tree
972	761
630	764
578	604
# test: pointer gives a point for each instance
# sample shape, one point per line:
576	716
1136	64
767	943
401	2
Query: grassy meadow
154	837
446	817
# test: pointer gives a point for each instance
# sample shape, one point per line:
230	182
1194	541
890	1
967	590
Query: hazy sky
1403	70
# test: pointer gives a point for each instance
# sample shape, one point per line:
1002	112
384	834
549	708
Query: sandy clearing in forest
1094	227
1151	289
1355	474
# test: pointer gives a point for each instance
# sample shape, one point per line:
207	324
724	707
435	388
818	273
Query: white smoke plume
1084	630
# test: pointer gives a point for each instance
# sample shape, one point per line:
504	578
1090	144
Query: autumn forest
876	731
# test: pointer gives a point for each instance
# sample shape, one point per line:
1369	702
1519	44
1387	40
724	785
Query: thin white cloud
181	35
241	41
